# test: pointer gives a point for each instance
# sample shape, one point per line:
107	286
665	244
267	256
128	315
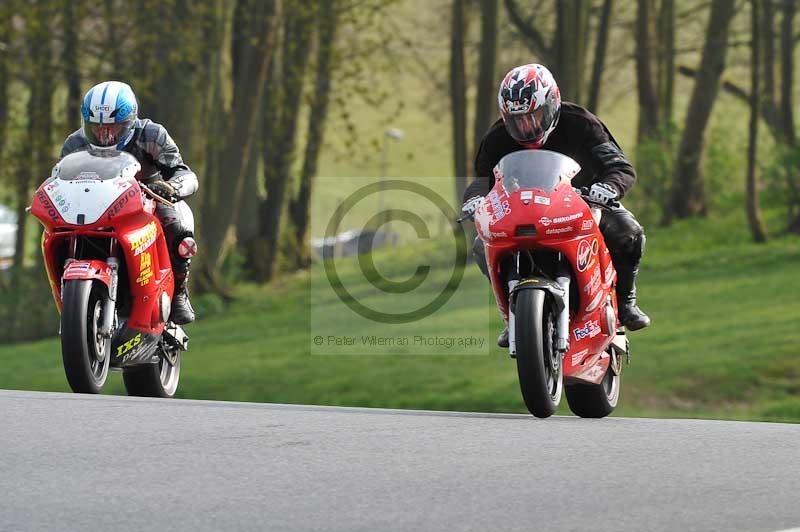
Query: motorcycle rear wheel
539	367
85	353
154	380
595	400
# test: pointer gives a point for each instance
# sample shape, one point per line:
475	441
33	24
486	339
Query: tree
255	24
601	45
688	196
39	143
281	141
649	112
71	15
788	135
458	98
5	61
751	197
565	51
485	102
666	60
328	21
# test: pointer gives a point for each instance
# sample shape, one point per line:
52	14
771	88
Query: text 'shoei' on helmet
530	103
109	111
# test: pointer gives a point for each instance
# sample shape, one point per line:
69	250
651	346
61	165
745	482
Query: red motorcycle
554	283
109	269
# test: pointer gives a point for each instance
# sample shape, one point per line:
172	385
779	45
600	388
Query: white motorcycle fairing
86	184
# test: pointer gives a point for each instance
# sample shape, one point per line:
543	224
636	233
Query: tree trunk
599	56
688	195
278	166
256	23
533	38
767	35
570	45
69	58
789	137
649	115
751	197
299	208
37	151
787	71
666	60
5	61
458	99
485	101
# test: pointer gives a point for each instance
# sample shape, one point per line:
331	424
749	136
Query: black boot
182	311
502	340
630	315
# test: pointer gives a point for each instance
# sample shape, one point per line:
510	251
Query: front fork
109	310
562	320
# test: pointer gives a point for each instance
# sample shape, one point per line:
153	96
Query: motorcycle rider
110	121
534	117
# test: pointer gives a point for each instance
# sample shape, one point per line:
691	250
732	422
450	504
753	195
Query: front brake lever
155	196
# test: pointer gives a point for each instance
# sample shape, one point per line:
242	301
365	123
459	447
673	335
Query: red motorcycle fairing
89	269
558	220
130	221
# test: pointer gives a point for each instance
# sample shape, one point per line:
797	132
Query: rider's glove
471	205
165	190
603	193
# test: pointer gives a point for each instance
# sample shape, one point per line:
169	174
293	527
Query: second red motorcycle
554	282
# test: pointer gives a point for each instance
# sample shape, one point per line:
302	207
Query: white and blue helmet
109	112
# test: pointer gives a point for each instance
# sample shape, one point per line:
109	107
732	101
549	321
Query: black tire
153	380
86	357
595	400
538	366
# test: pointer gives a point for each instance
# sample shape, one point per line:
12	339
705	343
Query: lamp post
390	134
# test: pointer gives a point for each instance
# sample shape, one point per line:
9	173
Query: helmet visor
528	127
106	135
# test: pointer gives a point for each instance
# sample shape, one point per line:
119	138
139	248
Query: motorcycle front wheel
85	353
538	364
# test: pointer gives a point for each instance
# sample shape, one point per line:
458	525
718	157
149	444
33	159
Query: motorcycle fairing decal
546	221
583	255
129	346
499	208
595	303
132	347
590	329
48	206
88	197
145	269
84	270
594	283
120	204
143	238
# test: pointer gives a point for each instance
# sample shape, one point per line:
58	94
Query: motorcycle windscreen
96	165
540	169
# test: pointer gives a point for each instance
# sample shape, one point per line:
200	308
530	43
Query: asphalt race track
70	462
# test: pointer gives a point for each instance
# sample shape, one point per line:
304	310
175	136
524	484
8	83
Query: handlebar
155	196
584	194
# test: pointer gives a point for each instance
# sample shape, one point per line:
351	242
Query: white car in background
8	236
